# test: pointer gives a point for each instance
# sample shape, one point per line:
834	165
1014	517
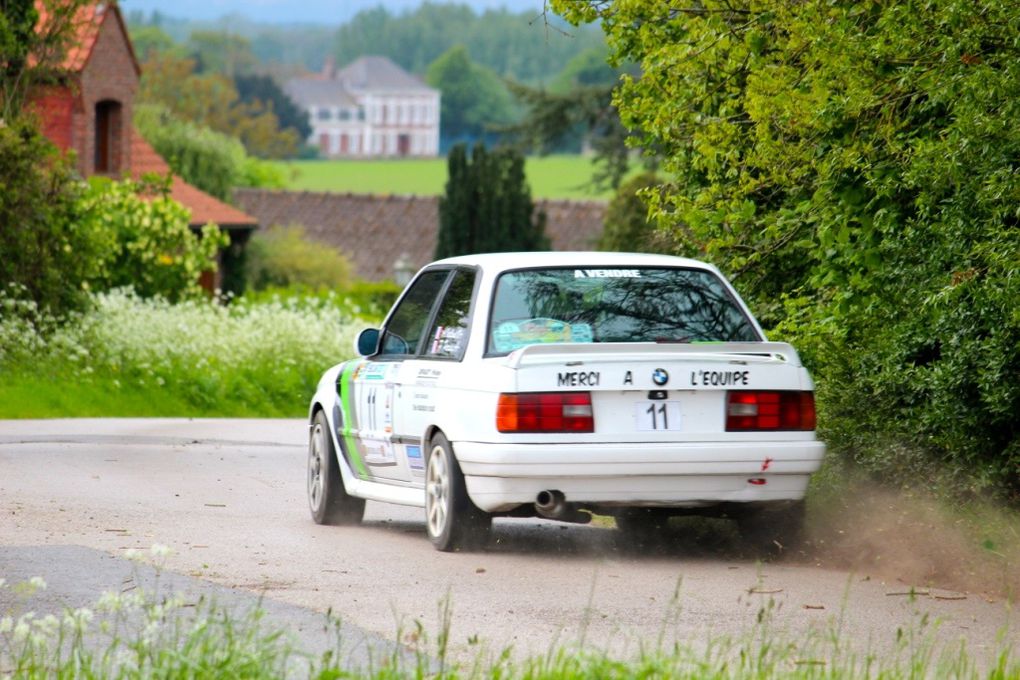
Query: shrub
44	249
282	256
212	161
627	225
149	243
62	237
253	358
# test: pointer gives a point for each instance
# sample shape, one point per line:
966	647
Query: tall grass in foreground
199	356
145	636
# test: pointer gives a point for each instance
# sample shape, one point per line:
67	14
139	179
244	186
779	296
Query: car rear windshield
613	305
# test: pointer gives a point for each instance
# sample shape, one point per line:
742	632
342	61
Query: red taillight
545	412
759	411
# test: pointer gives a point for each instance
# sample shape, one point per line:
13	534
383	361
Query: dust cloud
907	538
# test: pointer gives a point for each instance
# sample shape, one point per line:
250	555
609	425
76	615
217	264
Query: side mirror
368	342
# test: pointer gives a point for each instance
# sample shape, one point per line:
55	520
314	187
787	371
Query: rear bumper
502	476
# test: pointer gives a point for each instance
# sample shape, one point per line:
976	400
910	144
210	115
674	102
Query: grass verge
143	636
128	356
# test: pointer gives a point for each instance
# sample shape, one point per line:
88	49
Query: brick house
90	112
369	108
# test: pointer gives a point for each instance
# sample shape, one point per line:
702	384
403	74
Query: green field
549	176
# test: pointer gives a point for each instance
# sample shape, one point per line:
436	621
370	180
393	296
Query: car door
422	378
375	383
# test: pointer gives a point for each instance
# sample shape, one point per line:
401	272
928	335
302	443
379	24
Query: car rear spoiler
554	353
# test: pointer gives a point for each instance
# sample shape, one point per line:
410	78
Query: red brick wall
55	108
109	75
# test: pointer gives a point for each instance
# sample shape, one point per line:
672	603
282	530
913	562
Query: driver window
404	330
449	333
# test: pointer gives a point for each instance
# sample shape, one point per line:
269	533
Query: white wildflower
78	619
109	602
21	630
47	626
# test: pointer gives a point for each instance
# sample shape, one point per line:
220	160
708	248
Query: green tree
853	167
44	249
627	225
586	69
262	89
222	53
149	41
474	99
511	44
44	252
584	115
211	100
487	206
32	51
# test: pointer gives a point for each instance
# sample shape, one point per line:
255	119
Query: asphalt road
228	497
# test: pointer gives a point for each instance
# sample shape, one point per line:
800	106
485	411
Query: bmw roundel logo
660	377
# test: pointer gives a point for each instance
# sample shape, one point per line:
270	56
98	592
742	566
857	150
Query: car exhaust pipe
553	505
550	503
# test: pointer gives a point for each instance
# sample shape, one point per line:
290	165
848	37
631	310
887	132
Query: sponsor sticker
414	458
607	274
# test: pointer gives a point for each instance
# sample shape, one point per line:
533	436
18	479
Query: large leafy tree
45	254
854	166
32	50
487	206
220	52
576	114
474	99
212	100
264	90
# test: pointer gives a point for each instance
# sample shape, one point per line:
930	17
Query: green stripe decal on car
350	442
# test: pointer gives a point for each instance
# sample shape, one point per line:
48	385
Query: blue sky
328	12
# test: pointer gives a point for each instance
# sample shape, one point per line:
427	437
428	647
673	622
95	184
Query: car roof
505	261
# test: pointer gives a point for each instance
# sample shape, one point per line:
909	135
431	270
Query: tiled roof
204	208
308	92
377	74
86	27
374	231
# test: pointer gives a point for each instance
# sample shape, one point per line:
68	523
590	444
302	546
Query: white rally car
563	384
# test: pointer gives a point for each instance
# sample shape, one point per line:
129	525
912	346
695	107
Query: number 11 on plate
657	415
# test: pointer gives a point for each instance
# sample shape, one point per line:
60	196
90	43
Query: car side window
406	325
448	335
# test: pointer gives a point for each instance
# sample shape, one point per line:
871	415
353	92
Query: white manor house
369	108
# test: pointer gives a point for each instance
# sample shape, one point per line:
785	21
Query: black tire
772	531
452	521
327	499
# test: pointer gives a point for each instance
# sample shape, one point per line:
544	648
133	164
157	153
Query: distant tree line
482	63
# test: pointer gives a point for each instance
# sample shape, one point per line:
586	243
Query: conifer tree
487	206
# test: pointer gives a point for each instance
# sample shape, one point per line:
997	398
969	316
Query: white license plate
657	415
